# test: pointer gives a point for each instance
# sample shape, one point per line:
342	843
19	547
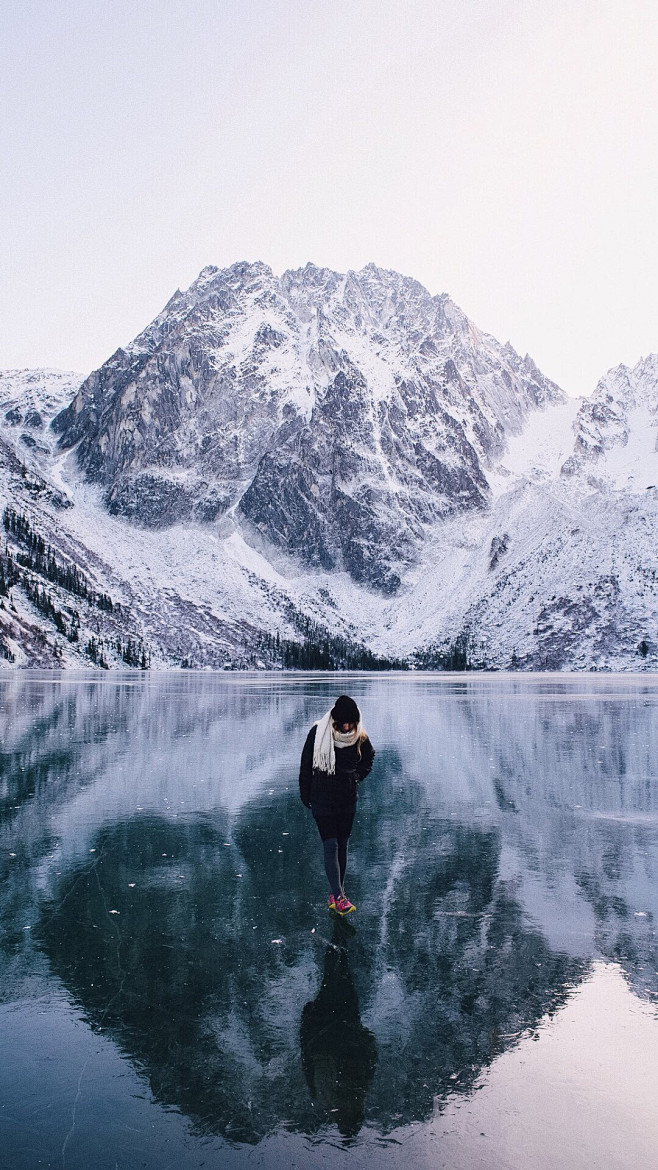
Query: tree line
320	650
453	657
40	558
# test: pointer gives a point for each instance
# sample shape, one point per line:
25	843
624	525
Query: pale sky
503	151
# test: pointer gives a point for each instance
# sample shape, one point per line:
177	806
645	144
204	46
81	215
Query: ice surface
173	986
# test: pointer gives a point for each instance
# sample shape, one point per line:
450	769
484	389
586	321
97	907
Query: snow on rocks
533	547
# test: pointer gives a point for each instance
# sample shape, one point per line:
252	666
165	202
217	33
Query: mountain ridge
345	458
360	393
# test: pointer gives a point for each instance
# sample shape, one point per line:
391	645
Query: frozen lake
174	992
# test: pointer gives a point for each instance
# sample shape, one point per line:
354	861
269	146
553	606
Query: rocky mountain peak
333	415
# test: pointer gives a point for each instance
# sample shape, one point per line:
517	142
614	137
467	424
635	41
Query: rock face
557	571
617	427
571	578
29	399
336	416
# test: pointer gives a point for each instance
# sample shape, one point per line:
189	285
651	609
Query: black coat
324	793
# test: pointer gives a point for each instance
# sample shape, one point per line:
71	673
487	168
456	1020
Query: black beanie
345	710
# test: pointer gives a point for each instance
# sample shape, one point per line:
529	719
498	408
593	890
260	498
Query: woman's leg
342	858
332	866
328	829
343	829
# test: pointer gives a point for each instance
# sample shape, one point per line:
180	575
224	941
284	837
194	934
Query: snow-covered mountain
345	461
338	415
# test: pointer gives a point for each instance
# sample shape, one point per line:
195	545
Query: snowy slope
562	570
617	430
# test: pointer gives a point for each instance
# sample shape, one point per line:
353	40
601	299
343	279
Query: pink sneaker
332	902
344	906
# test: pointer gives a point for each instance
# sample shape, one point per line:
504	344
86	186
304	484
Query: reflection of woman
339	1054
336	757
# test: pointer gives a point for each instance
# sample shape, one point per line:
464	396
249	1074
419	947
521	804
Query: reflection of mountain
576	787
569	766
173	970
507	825
199	971
467	973
40	769
76	754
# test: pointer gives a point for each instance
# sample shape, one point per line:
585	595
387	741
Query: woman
336	757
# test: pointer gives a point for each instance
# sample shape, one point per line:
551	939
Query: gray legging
335	829
335	863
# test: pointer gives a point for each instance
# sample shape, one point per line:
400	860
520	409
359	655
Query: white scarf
327	739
